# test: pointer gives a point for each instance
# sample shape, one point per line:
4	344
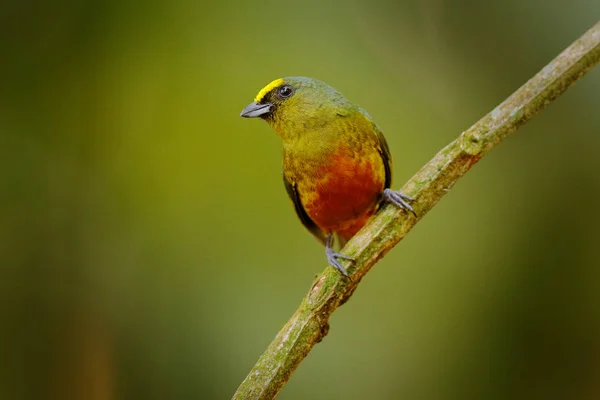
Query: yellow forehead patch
263	92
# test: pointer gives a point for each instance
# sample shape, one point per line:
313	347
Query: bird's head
295	104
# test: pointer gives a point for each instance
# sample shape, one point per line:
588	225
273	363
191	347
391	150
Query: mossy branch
309	324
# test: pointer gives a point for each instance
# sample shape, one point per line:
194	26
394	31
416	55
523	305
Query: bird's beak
256	109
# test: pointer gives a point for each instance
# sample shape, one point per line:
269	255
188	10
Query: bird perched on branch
337	167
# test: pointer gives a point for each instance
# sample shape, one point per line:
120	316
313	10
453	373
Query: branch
309	324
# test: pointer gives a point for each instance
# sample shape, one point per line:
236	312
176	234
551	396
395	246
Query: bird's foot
332	259
332	256
399	199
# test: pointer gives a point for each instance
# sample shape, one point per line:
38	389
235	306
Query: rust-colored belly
345	193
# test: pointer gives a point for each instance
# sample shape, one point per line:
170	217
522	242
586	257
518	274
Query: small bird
337	167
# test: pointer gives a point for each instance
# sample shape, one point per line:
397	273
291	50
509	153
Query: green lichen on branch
309	324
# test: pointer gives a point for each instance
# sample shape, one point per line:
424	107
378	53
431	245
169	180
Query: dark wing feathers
306	221
385	156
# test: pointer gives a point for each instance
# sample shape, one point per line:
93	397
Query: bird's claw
332	259
399	199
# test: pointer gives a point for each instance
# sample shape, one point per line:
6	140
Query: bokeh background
148	249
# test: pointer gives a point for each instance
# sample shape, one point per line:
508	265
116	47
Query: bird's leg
332	256
399	199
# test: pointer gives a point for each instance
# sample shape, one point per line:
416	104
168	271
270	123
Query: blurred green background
148	249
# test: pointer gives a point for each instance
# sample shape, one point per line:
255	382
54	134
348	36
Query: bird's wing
384	151
306	221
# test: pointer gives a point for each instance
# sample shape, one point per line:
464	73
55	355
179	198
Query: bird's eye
285	91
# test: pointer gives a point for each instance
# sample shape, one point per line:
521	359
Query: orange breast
346	192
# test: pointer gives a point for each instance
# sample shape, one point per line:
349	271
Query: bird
337	166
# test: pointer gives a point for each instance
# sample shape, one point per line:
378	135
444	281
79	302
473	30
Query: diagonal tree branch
309	324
